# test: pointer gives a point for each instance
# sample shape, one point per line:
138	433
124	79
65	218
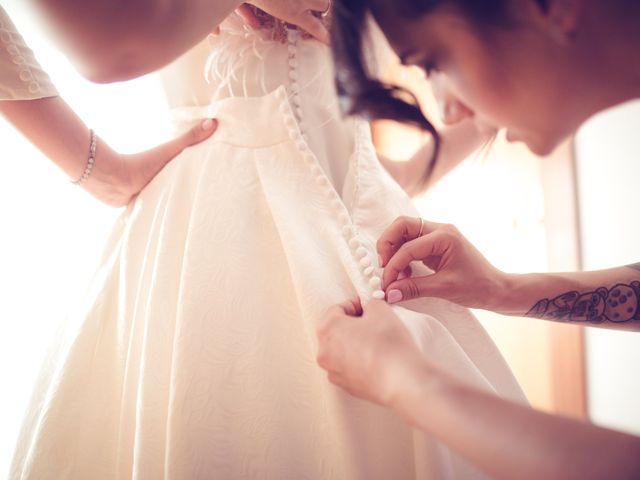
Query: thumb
314	26
352	307
197	133
156	158
247	15
413	287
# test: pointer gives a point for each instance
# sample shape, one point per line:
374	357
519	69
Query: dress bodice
241	62
21	77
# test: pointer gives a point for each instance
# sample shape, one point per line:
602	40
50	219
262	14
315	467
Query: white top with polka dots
21	77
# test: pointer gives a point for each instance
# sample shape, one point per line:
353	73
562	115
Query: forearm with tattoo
620	303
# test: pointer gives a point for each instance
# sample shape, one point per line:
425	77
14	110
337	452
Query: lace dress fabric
194	355
21	77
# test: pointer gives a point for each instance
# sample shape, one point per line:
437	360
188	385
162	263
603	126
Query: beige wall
608	162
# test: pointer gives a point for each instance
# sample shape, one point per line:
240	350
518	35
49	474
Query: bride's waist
258	121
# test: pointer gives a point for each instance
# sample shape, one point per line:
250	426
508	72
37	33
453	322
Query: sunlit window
53	232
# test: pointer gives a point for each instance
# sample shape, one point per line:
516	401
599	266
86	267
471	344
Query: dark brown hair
359	91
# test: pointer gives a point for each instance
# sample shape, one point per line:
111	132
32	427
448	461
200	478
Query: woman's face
516	77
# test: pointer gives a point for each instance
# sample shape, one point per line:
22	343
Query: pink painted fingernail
207	124
394	296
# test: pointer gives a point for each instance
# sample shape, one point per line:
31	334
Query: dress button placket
292	111
361	252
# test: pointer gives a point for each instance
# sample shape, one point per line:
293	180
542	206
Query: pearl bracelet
90	161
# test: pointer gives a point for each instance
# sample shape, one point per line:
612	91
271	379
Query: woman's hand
302	13
461	274
368	352
116	178
55	129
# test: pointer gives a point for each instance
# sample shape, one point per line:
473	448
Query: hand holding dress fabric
460	273
118	181
367	351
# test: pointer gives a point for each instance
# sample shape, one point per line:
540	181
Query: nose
452	109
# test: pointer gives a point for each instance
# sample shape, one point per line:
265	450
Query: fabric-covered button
354	243
332	199
5	36
315	169
293	75
282	94
34	87
13	50
347	231
25	75
361	252
375	282
365	262
369	270
19	60
378	294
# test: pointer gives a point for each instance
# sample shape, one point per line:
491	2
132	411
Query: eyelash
429	67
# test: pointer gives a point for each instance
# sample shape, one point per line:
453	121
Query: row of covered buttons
292	38
371	271
359	251
25	74
362	254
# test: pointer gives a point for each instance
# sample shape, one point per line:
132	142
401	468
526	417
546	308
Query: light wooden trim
568	378
568	382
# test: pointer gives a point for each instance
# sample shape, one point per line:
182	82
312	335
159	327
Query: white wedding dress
194	356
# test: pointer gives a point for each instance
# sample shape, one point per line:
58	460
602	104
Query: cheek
496	102
498	98
511	91
484	92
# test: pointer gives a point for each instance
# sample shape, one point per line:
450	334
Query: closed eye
429	68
